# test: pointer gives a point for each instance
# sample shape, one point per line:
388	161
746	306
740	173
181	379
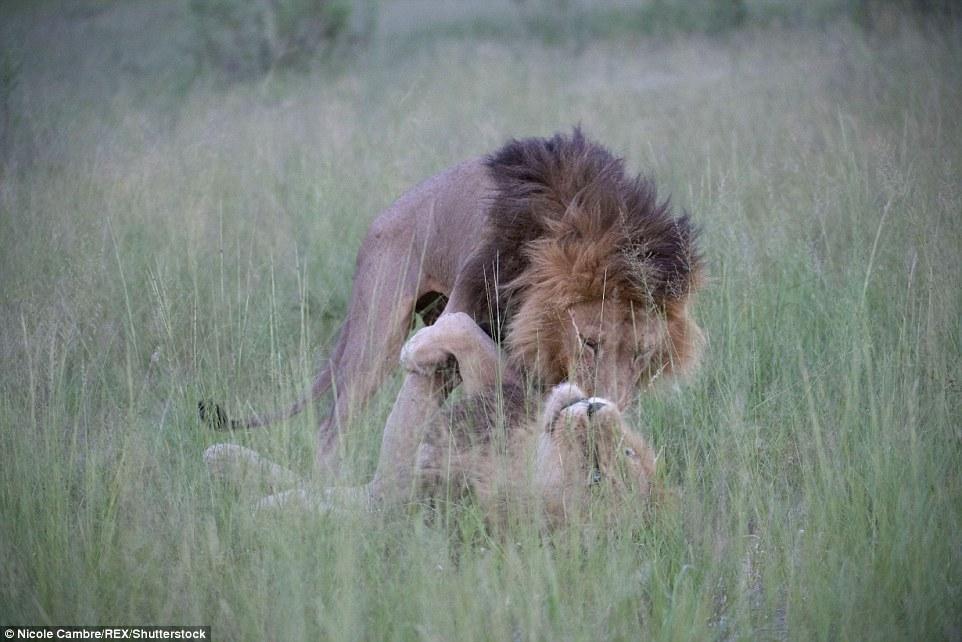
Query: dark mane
477	419
573	192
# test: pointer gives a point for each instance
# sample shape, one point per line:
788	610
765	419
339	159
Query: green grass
164	237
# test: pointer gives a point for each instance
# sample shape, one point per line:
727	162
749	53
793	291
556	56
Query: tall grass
160	243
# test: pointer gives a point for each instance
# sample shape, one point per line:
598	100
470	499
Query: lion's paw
434	346
560	396
454	323
423	353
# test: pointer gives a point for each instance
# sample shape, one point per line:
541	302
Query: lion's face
610	348
585	444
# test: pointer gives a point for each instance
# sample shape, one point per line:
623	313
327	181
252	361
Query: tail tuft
214	416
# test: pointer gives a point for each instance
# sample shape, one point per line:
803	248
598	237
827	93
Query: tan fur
558	461
553	462
546	241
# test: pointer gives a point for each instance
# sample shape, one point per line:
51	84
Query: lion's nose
594	406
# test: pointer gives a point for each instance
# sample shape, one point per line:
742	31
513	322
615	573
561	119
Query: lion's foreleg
415	412
480	363
479	359
396	479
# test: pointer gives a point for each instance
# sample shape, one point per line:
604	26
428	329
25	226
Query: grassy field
166	236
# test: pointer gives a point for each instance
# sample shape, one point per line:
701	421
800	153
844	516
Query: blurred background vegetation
160	50
184	185
249	38
255	36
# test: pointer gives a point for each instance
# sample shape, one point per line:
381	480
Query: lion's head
587	276
610	347
584	445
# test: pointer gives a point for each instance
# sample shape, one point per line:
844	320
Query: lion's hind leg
230	462
306	499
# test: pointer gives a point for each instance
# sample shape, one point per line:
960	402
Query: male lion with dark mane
569	263
491	443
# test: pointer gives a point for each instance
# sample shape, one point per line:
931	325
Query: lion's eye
630	452
589	344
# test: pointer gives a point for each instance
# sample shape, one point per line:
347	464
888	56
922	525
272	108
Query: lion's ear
685	341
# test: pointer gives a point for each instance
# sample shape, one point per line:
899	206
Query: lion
560	256
486	444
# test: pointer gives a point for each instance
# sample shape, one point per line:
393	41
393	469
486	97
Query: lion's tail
216	417
213	414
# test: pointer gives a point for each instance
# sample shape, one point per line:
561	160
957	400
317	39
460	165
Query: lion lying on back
570	263
485	444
